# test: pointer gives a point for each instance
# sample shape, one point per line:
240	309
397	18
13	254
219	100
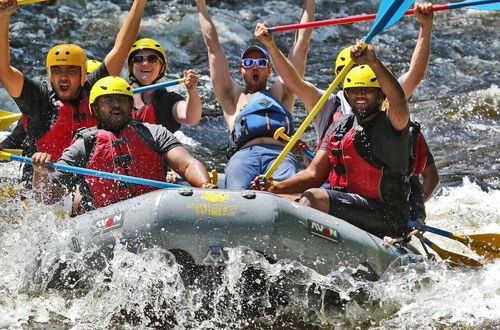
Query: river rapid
458	106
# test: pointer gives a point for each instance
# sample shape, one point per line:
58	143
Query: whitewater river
458	105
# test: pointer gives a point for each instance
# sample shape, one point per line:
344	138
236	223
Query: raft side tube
204	222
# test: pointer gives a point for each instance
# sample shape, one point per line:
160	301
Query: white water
439	297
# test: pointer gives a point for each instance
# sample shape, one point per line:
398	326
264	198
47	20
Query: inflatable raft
200	225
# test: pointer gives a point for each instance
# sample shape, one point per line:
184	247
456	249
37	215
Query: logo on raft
322	231
104	225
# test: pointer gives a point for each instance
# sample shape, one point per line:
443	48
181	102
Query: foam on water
144	290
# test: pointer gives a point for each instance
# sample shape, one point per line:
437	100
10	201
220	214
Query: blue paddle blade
389	12
477	4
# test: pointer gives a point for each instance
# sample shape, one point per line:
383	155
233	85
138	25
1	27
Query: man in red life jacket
18	138
364	155
55	114
119	144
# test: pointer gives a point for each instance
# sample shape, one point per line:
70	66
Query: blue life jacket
262	115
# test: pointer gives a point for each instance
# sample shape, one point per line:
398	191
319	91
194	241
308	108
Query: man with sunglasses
364	155
118	144
147	63
253	112
55	113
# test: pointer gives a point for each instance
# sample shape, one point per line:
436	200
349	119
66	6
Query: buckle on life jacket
124	185
122	160
339	168
336	151
119	141
79	115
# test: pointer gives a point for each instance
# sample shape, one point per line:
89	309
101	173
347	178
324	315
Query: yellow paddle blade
486	245
453	257
4	155
7	118
8	190
25	2
18	152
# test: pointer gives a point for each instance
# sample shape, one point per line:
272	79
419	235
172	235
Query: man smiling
364	155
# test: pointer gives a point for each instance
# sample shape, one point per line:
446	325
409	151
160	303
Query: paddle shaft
295	137
100	174
157	86
369	17
25	2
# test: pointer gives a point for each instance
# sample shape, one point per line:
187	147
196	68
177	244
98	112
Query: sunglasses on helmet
249	62
141	58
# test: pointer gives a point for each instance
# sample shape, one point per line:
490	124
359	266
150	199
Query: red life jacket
159	111
129	153
146	114
351	171
356	169
60	134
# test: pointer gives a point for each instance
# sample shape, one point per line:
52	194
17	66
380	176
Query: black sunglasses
141	58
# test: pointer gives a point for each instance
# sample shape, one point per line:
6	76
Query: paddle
280	135
159	85
452	256
471	4
25	2
487	245
390	11
86	171
18	152
7	118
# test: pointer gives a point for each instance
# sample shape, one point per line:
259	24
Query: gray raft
201	223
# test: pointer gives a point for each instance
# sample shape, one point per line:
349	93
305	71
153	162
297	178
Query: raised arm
293	80
420	57
297	55
226	89
189	111
124	39
11	78
397	110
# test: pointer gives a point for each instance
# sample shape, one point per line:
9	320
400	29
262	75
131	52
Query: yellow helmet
92	65
361	76
68	54
110	85
147	43
342	58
